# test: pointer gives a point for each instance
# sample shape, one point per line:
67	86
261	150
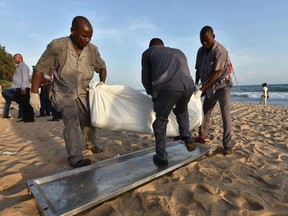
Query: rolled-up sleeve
100	63
220	60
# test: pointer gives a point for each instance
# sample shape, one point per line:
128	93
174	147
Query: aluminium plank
73	191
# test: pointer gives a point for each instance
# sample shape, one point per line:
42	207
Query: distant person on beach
264	95
166	77
45	103
212	68
19	91
72	60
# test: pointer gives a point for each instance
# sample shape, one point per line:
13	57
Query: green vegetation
7	66
5	84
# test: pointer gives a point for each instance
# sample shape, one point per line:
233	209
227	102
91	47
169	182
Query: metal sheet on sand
71	192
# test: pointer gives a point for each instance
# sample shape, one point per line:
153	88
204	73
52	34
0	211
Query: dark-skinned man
212	68
72	61
166	77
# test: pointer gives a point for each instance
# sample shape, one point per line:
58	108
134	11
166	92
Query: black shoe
189	143
53	119
160	163
6	117
227	151
81	163
29	120
41	115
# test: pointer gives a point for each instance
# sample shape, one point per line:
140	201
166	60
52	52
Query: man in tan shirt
72	61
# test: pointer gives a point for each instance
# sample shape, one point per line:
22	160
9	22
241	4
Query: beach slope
251	181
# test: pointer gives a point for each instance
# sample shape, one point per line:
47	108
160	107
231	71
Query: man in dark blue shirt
166	77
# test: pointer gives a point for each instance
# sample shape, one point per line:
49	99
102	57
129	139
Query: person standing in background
22	85
166	77
265	94
213	69
72	61
56	116
45	103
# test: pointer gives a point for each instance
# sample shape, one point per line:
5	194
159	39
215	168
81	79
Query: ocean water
250	94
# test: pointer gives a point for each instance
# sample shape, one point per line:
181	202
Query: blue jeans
10	95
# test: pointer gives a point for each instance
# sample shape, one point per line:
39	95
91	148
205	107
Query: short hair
156	41
19	56
78	20
206	29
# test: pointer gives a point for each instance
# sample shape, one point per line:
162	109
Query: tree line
7	65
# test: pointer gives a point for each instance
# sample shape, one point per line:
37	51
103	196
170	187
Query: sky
253	31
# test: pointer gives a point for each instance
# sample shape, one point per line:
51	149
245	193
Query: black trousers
166	101
28	112
45	102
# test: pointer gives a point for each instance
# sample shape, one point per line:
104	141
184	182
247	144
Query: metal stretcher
71	192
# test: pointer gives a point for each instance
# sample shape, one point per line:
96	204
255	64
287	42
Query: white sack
118	107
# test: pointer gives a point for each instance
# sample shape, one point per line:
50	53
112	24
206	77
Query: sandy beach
251	181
